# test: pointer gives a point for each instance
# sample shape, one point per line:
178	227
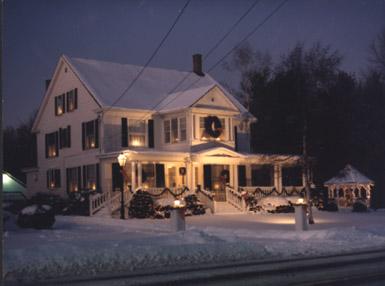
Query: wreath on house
213	126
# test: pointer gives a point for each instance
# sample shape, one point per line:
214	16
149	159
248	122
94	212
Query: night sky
37	32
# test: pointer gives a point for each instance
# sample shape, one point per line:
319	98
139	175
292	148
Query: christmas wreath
213	126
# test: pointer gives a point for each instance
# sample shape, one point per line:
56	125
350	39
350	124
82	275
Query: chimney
197	64
47	82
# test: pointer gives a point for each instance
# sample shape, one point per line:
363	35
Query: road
361	268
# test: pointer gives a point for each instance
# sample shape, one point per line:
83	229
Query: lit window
167	131
90	134
72	100
148	175
73	179
136	132
202	130
90	177
60	104
52	145
223	133
182	128
53	179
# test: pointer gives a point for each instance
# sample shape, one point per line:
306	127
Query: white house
176	129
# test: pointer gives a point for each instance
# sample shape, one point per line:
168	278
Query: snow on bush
271	203
36	216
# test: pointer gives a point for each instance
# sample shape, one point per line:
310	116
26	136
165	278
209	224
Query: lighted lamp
178	204
300	201
122	162
216	186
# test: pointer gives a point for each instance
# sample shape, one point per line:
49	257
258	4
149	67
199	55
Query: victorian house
177	129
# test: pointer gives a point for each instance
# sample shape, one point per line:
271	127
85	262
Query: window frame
72	100
60	99
90	139
138	130
54	138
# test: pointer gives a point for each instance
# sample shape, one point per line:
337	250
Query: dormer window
72	100
59	104
90	134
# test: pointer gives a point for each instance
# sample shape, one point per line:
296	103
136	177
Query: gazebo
348	186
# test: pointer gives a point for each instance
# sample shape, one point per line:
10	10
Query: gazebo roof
349	176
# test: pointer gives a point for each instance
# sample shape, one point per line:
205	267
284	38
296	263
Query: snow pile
271	203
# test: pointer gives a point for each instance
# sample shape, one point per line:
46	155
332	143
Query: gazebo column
278	177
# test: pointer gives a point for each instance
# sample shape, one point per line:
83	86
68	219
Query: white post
300	218
139	175
133	177
178	222
277	178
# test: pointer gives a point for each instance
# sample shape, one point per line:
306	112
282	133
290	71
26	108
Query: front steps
225	208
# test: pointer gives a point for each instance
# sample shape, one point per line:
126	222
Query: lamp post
122	162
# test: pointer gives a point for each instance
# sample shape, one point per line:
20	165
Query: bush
331	207
141	205
193	205
360	207
36	216
283	209
56	202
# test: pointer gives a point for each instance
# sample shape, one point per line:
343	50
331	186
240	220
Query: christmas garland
175	195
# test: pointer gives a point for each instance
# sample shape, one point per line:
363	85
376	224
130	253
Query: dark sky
37	32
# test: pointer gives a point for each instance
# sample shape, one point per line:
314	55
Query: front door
216	178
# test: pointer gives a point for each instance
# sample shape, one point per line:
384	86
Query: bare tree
377	53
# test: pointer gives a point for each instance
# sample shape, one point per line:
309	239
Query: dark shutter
96	130
84	135
207	177
79	178
47	174
57	143
68	136
67	180
61	138
124	132
46	145
64	102
98	188
236	138
68	101
57	178
84	178
241	175
150	133
55	105
76	98
159	172
117	177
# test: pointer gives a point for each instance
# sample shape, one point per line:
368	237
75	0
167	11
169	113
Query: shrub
331	207
193	205
360	207
36	216
141	205
284	209
56	202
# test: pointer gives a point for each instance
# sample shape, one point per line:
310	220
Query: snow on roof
349	175
108	80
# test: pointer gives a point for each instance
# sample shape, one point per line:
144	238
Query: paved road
362	268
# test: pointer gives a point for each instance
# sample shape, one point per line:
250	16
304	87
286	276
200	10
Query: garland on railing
184	189
206	193
294	191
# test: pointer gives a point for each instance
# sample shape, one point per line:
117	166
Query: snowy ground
90	245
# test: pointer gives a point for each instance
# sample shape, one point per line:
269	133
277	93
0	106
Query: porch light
93	187
122	160
145	186
216	186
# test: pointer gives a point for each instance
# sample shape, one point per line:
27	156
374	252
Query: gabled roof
107	81
349	175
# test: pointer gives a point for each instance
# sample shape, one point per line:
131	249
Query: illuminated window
59	104
53	179
167	131
148	175
202	130
205	136
91	177
136	132
73	179
52	145
90	134
72	100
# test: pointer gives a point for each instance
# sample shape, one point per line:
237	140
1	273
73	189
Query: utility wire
152	55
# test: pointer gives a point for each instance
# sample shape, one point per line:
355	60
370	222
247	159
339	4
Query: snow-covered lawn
90	245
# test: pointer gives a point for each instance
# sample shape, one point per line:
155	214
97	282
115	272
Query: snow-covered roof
107	81
349	175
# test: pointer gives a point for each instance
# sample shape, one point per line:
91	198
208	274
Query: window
174	130
59	104
202	130
205	136
53	179
136	132
65	137
222	137
182	128
167	131
91	177
90	134
292	176
52	145
73	179
262	175
72	100
148	175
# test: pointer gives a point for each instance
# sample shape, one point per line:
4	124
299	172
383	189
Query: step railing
206	198
97	201
116	200
107	199
235	198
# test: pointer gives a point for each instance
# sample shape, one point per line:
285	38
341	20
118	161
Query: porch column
193	179
235	180
277	178
133	176
139	175
248	175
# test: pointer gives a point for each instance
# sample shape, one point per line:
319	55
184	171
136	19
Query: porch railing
235	198
97	201
206	198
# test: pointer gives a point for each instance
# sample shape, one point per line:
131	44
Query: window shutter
117	177
68	136
98	188
236	138
64	102
79	178
76	98
61	138
96	130
84	178
124	132
67	180
67	100
207	177
55	105
57	143
241	175
57	178
46	145
47	175
84	135
159	172
150	133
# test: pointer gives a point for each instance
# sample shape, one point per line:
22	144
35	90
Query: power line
152	55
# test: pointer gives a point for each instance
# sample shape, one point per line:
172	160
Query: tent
349	185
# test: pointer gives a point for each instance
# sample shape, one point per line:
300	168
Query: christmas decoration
36	216
141	205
